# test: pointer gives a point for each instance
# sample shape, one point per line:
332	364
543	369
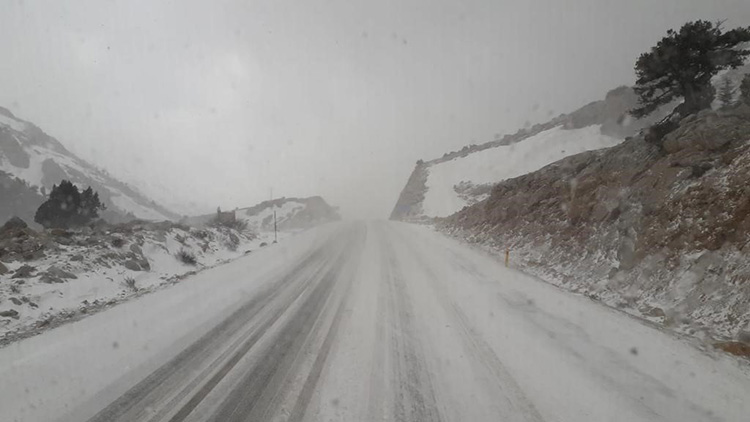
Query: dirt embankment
663	233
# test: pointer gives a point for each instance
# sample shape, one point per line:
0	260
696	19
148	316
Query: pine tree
67	207
726	92
682	64
90	206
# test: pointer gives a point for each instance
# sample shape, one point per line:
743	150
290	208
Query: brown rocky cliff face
636	226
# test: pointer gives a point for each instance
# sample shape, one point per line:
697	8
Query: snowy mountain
291	214
441	187
32	161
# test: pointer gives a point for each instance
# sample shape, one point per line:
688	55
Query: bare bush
232	242
130	283
238	224
186	257
202	234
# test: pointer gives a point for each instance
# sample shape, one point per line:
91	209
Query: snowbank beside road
72	273
46	376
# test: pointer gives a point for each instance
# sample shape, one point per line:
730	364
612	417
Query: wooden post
507	256
275	239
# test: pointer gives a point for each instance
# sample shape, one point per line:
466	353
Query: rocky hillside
660	231
32	161
443	186
291	214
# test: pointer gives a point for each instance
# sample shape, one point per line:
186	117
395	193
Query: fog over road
362	322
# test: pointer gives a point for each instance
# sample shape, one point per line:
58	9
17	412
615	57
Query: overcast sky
215	103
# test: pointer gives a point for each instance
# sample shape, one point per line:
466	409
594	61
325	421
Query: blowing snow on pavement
365	321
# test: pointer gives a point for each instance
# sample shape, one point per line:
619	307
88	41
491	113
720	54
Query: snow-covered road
364	322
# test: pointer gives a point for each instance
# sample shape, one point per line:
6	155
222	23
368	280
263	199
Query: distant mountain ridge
291	214
32	161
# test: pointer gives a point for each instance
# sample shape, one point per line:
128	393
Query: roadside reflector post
507	256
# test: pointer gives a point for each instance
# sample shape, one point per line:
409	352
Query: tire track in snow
411	381
597	362
192	374
260	393
505	382
146	400
306	393
379	403
481	352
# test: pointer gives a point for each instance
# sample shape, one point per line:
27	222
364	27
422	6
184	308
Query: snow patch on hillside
140	211
32	174
263	220
12	123
504	162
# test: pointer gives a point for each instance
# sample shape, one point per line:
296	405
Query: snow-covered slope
29	155
291	214
441	187
504	162
74	273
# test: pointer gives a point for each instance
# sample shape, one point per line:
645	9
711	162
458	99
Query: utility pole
275	236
